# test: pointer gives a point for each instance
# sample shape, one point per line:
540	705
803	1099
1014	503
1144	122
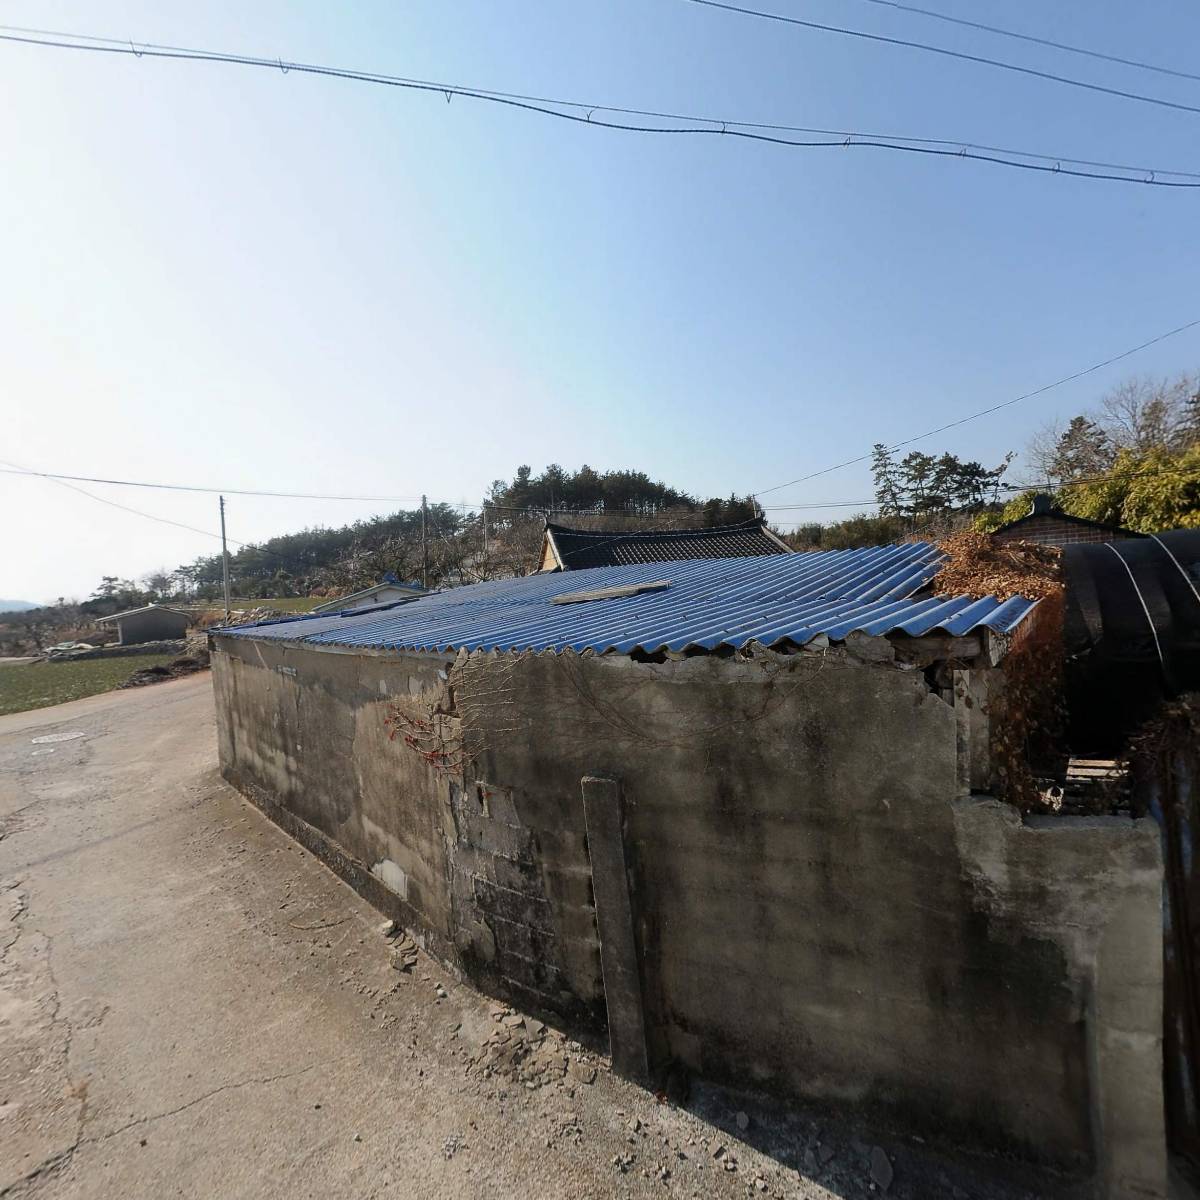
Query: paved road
191	1005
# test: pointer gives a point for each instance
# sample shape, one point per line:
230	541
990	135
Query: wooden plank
604	817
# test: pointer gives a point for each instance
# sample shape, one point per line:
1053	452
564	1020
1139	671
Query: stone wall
818	907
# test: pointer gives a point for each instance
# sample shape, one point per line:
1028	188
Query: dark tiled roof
1082	522
1044	507
576	549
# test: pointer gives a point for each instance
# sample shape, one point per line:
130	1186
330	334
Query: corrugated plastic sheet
778	600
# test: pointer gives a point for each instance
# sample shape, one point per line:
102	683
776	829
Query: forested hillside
499	537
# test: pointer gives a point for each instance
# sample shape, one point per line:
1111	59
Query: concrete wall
504	895
817	908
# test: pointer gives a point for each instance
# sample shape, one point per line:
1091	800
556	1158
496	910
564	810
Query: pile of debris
249	616
517	1048
524	1050
68	650
977	565
404	949
197	647
176	669
240	616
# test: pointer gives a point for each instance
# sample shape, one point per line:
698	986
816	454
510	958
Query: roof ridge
741	526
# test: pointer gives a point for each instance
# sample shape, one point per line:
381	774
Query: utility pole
424	546
485	531
224	560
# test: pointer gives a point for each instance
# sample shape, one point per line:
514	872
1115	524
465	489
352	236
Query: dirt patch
160	673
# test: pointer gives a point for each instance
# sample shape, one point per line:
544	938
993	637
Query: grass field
38	685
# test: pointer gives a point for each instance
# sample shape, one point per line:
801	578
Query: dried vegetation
979	566
1028	714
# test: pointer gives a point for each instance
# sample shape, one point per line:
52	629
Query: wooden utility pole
424	545
224	560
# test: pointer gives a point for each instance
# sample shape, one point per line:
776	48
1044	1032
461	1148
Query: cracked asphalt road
191	1005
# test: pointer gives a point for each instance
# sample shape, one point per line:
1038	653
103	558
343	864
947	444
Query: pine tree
887	480
1082	452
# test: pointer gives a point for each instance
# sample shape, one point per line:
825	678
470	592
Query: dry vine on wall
1028	715
443	725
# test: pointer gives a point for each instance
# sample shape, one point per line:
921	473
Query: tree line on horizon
1133	461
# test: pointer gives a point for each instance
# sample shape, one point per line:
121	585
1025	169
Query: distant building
387	592
1048	525
567	549
150	623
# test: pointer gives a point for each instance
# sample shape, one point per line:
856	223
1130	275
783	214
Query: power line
1036	41
205	489
585	114
62	481
955	144
185	487
1028	486
13	469
948	53
983	412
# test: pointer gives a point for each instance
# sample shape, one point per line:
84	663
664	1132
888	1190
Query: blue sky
250	279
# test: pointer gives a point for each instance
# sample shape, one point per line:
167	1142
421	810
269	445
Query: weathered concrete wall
496	884
815	914
308	730
817	905
1092	886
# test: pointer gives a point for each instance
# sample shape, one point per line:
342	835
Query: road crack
55	1163
224	1087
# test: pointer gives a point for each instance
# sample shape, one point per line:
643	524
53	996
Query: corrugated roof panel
773	600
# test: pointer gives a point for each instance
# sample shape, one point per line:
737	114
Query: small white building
387	592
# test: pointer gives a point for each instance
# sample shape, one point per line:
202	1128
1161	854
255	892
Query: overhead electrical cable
946	52
538	510
187	487
1033	40
579	112
593	107
1029	486
983	412
62	481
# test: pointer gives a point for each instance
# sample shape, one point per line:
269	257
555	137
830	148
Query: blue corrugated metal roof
777	600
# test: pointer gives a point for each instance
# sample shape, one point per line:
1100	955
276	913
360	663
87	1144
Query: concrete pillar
974	691
604	817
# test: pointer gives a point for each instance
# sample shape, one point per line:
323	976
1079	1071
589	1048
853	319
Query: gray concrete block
513	906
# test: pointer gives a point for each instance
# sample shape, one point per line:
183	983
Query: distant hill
8	606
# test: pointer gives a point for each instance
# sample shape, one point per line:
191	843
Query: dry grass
979	566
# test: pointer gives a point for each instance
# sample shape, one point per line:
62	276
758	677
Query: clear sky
236	277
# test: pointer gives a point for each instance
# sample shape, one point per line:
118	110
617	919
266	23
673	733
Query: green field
37	685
